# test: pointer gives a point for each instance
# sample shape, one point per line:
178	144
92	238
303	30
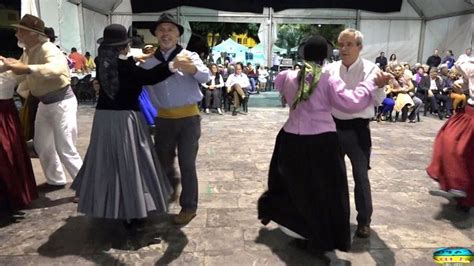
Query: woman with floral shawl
307	183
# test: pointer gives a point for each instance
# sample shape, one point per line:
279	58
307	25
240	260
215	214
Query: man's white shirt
360	70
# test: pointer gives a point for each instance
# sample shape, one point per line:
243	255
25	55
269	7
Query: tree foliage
223	31
290	35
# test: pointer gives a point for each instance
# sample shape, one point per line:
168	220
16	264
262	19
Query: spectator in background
420	73
262	78
138	41
393	59
50	33
90	65
253	77
381	61
432	86
276	60
434	60
457	94
222	71
403	89
468	52
407	71
213	89
223	58
79	60
449	59
237	84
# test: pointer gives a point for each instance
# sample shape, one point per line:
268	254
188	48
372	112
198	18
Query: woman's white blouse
7	85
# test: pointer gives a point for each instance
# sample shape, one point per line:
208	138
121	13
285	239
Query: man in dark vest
178	125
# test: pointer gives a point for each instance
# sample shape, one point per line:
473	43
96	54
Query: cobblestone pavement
408	223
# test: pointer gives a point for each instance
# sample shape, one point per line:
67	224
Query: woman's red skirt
452	164
17	181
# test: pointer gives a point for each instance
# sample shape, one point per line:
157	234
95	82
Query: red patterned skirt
452	164
17	181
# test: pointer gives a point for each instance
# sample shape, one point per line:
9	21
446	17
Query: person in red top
79	60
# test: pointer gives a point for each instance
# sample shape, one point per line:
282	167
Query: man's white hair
358	35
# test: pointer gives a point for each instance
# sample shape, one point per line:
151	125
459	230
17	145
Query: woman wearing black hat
120	177
307	184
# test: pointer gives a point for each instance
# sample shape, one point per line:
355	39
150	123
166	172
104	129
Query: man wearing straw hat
45	73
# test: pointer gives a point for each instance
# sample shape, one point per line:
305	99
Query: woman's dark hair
314	48
218	75
393	57
107	69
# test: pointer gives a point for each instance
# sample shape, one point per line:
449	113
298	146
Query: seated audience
213	90
237	84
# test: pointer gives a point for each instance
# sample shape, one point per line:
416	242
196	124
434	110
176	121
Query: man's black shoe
363	231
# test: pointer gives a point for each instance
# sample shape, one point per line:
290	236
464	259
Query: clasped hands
16	66
184	64
381	79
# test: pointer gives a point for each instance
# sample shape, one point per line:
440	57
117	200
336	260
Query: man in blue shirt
178	124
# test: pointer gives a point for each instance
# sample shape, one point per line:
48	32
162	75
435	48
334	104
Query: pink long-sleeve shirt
313	116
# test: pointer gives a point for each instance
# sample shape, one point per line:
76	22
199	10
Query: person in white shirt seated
237	84
262	78
213	88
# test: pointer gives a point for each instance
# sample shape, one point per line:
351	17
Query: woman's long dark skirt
308	191
17	181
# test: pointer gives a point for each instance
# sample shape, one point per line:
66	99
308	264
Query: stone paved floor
408	223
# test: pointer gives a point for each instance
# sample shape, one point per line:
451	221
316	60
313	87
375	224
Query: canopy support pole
421	42
357	25
271	28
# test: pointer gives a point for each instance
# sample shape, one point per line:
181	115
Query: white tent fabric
412	33
29	7
400	37
65	18
94	23
454	33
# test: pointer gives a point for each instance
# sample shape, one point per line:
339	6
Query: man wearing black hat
49	31
45	73
178	124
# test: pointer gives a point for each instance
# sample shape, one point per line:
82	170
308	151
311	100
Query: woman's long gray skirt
121	177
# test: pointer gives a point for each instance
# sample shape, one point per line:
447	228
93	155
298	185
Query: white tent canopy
412	34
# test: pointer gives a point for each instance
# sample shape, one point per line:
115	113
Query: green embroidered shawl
308	81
